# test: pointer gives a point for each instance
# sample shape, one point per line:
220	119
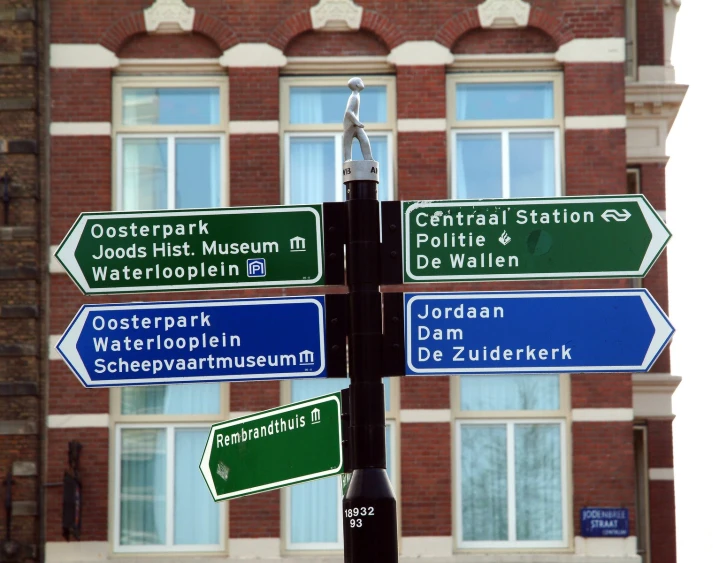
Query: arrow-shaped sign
274	448
536	238
197	341
533	332
191	249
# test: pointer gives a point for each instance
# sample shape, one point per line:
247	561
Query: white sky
697	215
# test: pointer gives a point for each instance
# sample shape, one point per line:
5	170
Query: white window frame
168	546
511	542
505	156
506	126
141	422
510	418
392	422
327	130
170	132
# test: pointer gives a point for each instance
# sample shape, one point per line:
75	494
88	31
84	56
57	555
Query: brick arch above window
453	30
163	46
372	22
120	33
335	44
524	40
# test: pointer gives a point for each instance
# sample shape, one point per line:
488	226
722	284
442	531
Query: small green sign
274	448
193	249
537	238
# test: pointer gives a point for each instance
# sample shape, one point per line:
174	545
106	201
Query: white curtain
144	173
196	515
313	169
509	392
189	398
479	165
532	164
143	487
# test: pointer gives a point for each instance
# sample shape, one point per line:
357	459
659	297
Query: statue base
356	170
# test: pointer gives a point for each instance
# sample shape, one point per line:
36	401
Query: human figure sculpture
352	127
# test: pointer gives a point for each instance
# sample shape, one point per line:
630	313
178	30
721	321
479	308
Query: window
630	33
313	509
505	135
170	142
161	503
511	462
312	121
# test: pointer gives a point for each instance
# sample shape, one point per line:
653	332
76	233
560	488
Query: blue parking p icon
256	268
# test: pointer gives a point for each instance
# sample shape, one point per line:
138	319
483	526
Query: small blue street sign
196	341
604	522
533	332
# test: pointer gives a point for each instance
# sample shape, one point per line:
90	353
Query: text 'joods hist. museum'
147	106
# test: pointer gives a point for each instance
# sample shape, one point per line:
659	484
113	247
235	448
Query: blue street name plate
533	332
604	522
196	341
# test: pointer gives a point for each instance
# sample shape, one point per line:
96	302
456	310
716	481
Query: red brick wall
420	92
187	46
255	170
603	467
510	41
661	448
594	89
595	161
594	391
81	94
254	94
422	166
662	522
425	392
425	502
335	44
650	32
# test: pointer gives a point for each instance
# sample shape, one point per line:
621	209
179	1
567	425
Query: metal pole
369	507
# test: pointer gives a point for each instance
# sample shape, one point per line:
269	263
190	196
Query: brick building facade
23	281
210	103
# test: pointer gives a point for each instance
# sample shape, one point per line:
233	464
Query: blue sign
604	522
533	332
196	341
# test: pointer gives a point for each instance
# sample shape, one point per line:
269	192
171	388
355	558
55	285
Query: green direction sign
537	238
274	448
192	249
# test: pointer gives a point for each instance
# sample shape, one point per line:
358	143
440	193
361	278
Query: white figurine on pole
368	168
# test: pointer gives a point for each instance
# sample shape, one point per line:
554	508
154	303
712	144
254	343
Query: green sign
538	238
192	249
274	448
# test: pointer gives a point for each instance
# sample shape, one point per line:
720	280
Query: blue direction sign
533	332
604	522
196	341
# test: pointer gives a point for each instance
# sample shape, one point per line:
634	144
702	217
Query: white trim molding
420	53
595	122
253	55
76	552
653	391
605	50
80	128
603	415
81	55
54	266
661	474
509	62
336	15
254	127
169	16
426	546
78	421
240	414
421	125
54	354
606	547
425	415
504	13
254	548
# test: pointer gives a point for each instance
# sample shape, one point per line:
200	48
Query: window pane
532	164
316	105
479	165
144	174
509	392
484	482
197	173
519	100
196	516
143	487
380	151
314	509
538	494
313	169
191	398
303	389
171	106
